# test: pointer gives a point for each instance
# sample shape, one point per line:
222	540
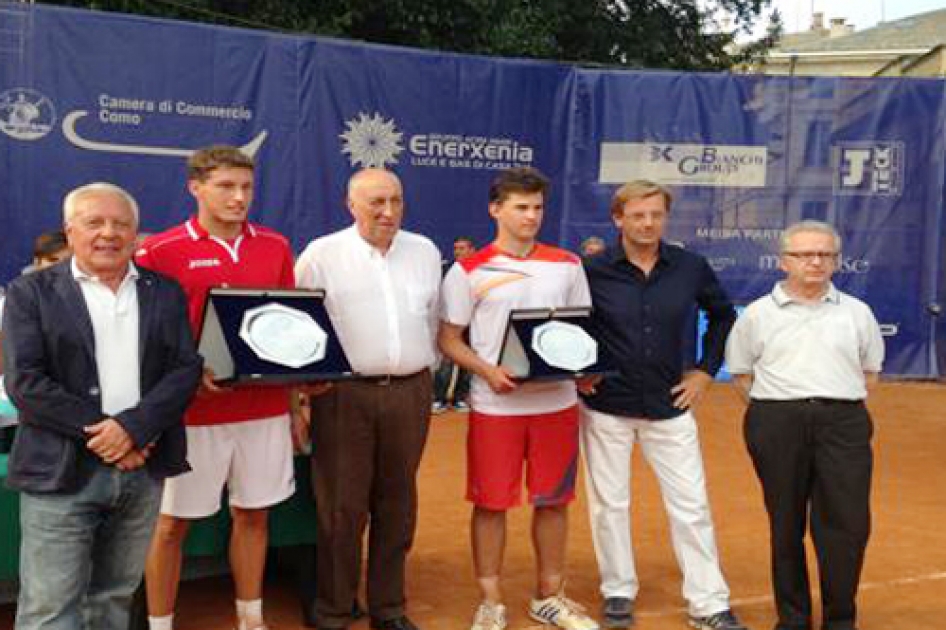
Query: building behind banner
87	96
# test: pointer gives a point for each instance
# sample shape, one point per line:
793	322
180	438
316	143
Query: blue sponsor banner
125	100
701	326
445	123
747	156
88	96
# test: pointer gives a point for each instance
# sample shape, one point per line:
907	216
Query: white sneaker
489	616
723	620
561	612
438	408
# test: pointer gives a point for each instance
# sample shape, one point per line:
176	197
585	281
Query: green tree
674	34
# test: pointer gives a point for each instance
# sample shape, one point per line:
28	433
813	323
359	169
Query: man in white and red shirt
512	423
240	437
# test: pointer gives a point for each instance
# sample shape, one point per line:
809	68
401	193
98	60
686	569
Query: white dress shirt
115	325
796	350
383	305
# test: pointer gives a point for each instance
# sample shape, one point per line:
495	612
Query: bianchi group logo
712	165
372	141
26	114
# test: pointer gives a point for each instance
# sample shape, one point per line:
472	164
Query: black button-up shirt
641	321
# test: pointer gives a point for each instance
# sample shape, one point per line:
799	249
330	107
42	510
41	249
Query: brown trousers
367	441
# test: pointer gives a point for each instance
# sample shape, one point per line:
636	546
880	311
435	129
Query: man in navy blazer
100	361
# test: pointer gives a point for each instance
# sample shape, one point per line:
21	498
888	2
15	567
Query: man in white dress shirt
804	355
368	434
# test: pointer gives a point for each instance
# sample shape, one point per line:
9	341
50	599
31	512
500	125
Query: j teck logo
869	168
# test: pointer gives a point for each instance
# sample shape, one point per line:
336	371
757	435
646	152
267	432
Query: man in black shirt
645	293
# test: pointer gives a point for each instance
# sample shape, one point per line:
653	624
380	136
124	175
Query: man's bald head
376	201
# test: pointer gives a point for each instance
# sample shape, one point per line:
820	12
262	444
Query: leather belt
386	379
817	400
811	400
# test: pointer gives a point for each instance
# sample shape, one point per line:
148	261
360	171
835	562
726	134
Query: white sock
161	623
250	609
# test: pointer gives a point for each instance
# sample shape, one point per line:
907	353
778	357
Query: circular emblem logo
26	114
372	141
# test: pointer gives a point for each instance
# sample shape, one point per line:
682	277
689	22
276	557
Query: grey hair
71	202
809	225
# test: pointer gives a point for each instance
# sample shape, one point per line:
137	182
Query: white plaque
283	335
564	346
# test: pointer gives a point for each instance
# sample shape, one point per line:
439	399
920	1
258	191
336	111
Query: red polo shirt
257	258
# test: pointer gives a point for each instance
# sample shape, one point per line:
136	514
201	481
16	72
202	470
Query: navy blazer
52	378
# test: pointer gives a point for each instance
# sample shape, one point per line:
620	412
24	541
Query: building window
817	143
815	210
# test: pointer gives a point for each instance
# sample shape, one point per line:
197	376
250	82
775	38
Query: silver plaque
283	335
564	346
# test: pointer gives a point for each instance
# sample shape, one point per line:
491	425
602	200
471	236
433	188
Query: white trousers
672	448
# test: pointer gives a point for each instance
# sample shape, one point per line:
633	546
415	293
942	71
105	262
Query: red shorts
497	446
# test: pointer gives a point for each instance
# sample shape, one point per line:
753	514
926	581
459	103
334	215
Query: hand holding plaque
546	343
274	336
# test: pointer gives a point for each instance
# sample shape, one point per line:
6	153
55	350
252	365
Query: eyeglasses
808	257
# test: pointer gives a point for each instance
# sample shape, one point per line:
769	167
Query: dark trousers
451	383
367	440
6	439
814	461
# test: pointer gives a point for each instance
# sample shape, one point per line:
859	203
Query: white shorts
253	459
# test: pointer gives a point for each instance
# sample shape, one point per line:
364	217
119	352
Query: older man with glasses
804	355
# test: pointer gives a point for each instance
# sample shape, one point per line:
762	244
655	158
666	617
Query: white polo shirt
383	305
115	328
795	350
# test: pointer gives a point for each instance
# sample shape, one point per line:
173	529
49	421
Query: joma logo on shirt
204	262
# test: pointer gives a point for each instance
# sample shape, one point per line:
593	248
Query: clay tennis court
904	583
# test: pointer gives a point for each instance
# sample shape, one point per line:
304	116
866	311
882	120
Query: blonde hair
638	189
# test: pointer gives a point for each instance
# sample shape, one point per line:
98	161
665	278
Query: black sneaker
723	620
618	612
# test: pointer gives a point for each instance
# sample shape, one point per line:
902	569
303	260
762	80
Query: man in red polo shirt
239	438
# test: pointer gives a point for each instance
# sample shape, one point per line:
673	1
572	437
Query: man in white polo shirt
804	355
512	424
381	285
